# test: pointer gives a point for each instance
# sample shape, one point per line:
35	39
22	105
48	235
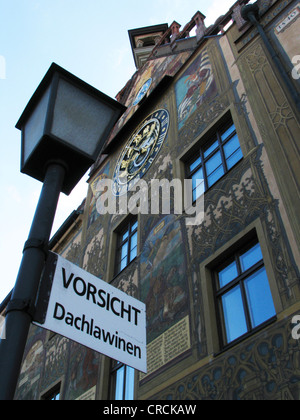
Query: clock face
142	92
140	151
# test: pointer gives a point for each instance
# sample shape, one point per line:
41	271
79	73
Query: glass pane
35	124
196	163
231	146
134	226
211	179
210	149
197	178
259	297
129	389
213	163
234	316
124	251
238	155
133	243
228	274
123	264
227	133
199	189
251	257
125	236
120	384
133	253
198	181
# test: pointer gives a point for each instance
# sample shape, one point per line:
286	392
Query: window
53	395
127	245
122	386
214	159
243	294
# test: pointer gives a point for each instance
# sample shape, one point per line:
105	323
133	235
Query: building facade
215	106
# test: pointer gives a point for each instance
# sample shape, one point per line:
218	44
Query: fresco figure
195	86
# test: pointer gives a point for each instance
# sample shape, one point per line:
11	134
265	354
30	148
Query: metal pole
21	306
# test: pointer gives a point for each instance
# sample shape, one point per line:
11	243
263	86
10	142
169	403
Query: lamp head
66	120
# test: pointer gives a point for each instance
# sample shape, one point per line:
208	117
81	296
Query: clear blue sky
90	39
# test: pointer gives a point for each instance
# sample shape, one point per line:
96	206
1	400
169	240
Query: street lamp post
64	128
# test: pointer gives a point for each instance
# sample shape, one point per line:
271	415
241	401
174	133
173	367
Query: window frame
53	392
115	368
215	137
125	228
239	280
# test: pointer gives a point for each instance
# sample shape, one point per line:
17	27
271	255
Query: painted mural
264	368
32	368
82	372
195	86
92	252
93	214
72	251
163	277
156	70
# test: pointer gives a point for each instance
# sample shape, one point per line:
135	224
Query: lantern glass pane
34	127
79	119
